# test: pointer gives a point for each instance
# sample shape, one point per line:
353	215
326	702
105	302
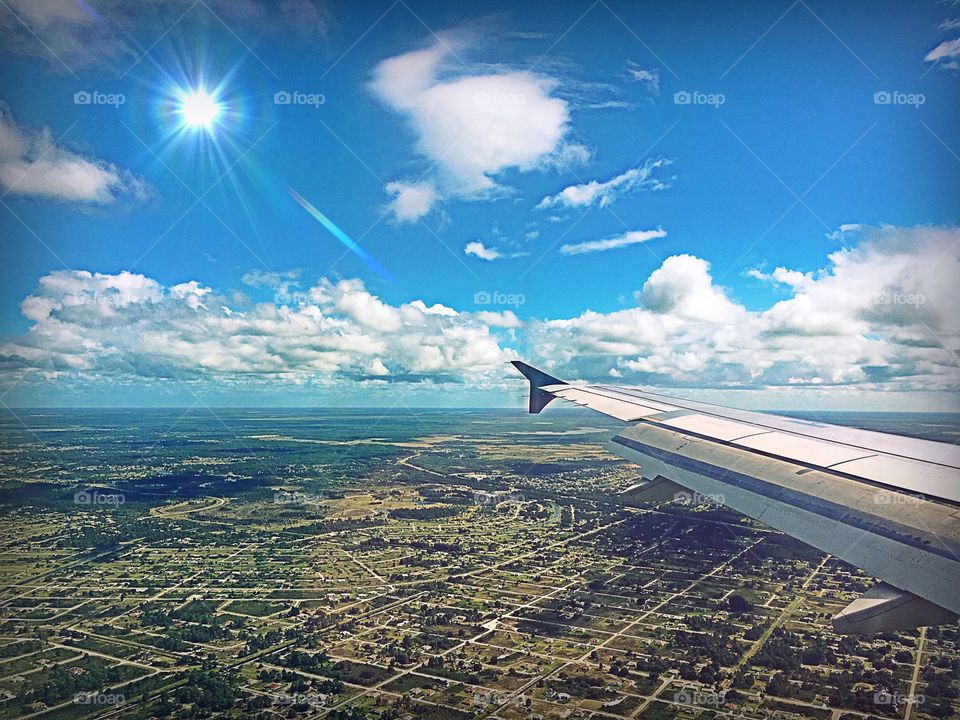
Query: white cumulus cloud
478	249
683	288
411	201
473	123
31	165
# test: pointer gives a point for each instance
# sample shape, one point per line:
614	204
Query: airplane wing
885	503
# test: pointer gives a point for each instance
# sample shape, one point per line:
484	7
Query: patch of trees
404	652
581	686
61	683
717	647
819	652
351	713
843	694
20	647
318	663
739	604
263	641
208	690
200	623
778	652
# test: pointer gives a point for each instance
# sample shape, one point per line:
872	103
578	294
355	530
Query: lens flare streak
341	235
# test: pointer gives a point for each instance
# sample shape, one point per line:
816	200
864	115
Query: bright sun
199	109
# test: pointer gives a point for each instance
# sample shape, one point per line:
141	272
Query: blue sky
441	130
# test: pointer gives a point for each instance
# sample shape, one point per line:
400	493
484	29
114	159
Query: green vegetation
433	569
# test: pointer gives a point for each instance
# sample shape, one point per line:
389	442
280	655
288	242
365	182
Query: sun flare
199	109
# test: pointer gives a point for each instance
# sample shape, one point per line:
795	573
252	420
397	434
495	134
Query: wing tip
539	398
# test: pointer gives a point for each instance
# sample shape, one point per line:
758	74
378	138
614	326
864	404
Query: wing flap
719	428
937	481
884	608
809	451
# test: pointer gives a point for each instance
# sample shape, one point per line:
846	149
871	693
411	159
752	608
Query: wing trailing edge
884	608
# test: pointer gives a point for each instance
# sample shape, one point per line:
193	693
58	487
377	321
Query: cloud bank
101	324
878	317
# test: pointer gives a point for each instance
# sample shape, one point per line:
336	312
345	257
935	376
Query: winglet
538	398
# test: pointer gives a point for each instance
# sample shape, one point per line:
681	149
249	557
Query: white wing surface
888	504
